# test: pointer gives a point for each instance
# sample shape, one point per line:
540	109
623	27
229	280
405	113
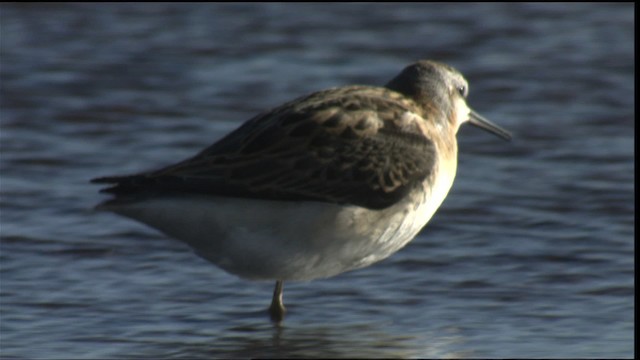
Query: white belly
283	240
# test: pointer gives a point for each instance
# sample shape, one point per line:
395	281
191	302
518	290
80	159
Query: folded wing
341	146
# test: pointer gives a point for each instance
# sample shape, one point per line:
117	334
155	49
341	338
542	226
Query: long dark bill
481	122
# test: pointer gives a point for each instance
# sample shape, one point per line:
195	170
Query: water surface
531	254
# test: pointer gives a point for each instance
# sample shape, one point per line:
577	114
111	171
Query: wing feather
341	146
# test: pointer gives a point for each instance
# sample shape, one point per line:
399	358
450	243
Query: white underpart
284	240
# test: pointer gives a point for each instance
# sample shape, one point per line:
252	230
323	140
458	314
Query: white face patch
462	112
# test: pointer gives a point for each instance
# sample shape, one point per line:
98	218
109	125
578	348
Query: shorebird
329	182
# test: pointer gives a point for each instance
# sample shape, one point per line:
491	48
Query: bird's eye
462	90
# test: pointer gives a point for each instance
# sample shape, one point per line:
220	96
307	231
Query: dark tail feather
121	184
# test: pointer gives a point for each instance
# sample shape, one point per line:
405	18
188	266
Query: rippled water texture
531	254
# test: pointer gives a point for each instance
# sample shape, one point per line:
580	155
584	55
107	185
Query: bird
327	183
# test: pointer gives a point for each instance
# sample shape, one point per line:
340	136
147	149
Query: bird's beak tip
481	122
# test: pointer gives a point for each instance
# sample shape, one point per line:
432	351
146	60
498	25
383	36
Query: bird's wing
341	146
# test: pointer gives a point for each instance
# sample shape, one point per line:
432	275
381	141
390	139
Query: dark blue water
531	255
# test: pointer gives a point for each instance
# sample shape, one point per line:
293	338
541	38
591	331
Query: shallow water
531	254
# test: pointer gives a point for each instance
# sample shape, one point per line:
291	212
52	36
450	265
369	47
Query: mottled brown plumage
326	183
343	145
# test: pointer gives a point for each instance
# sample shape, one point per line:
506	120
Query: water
531	255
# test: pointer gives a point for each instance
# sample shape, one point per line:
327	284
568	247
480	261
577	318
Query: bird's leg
277	309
